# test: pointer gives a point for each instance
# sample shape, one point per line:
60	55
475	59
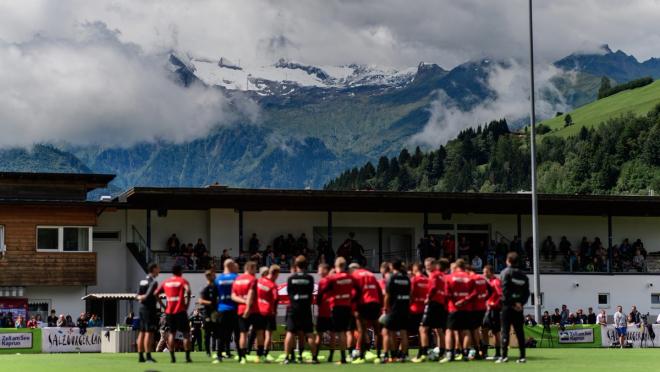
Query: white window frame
607	305
654	306
60	238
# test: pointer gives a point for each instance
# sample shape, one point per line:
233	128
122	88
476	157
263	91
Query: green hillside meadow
637	101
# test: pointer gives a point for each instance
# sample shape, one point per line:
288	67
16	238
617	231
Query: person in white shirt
658	320
601	318
621	325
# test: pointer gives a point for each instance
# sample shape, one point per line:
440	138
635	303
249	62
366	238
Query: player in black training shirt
300	288
148	313
209	301
196	324
397	310
515	293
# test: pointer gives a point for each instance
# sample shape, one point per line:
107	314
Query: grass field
636	101
539	360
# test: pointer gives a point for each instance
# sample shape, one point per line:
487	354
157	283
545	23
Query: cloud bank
92	88
510	83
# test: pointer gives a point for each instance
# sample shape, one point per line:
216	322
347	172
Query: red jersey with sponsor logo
342	289
458	287
241	287
267	296
494	301
436	292
370	289
177	294
481	292
419	286
325	298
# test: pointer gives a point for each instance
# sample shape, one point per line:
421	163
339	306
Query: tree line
620	156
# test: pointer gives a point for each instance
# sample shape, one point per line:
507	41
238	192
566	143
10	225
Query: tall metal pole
535	212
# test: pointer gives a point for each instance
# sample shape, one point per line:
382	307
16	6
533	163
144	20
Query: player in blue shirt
228	318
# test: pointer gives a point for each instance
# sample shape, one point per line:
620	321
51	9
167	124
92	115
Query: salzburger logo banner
637	336
71	340
16	340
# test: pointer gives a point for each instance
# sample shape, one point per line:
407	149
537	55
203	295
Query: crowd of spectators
85	320
565	317
192	257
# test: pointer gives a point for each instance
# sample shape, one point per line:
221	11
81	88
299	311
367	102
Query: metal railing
141	243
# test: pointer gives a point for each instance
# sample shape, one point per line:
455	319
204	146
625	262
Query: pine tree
605	86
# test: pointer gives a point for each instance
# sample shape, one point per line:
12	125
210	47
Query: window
64	238
531	300
107	236
655	300
603	300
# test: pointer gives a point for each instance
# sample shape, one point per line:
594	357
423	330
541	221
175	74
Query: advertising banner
578	336
637	336
71	340
20	340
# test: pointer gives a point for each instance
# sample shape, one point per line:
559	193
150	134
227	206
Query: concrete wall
223	231
66	300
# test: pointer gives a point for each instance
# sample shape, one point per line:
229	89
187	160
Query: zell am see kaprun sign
16	341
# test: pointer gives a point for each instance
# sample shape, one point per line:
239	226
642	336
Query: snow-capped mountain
288	75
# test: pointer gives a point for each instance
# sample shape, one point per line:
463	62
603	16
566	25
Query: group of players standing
447	303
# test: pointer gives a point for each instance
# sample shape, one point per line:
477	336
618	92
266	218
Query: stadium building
59	246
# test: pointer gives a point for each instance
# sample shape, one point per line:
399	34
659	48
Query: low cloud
92	88
510	83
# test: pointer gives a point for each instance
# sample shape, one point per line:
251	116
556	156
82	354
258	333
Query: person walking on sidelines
177	295
148	313
515	293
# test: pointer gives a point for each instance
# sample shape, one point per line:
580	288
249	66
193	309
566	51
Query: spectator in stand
204	261
128	321
224	257
501	250
254	244
580	317
464	249
529	247
283	262
82	321
546	319
32	323
572	319
52	318
601	319
639	245
477	263
422	248
529	321
516	245
626	249
434	247
565	246
173	245
556	317
638	261
69	321
61	321
549	249
94	321
199	248
302	243
635	316
9	320
565	313
271	259
20	322
449	247
591	316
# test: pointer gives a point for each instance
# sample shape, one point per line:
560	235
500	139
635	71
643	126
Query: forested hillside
621	156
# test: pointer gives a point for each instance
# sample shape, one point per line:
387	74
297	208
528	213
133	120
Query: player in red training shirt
492	319
369	305
267	298
458	287
324	302
244	293
480	295
177	296
419	288
343	288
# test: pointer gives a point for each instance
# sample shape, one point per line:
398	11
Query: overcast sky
386	32
71	69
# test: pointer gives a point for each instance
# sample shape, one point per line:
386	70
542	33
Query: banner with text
637	336
578	336
20	340
71	340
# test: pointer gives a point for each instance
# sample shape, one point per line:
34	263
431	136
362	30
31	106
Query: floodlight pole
532	148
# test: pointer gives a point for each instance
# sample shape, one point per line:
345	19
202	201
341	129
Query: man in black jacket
515	292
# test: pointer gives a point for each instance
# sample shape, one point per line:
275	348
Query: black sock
141	358
332	354
266	351
497	351
149	356
260	351
172	357
363	349
343	356
240	354
187	354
